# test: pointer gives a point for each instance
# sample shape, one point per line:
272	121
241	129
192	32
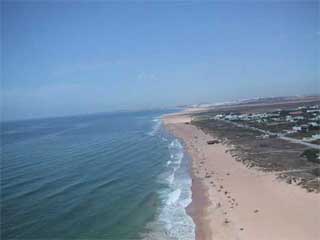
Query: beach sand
231	201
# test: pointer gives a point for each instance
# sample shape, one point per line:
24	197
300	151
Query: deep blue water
106	176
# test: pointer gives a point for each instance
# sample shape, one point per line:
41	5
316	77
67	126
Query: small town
278	136
302	123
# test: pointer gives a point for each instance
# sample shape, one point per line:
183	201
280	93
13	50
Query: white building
296	128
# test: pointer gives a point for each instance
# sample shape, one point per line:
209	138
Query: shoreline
197	209
231	201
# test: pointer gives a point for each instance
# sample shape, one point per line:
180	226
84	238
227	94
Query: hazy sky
63	58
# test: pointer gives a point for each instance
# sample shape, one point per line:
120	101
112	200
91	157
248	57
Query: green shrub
312	155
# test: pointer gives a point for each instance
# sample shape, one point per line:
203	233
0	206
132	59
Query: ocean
116	176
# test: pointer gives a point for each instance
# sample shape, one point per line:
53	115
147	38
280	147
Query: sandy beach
231	201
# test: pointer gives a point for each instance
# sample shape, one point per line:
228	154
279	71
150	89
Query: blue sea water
112	176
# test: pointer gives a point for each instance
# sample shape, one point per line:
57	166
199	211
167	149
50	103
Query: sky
65	58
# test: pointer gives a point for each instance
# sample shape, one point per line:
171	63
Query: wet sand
231	201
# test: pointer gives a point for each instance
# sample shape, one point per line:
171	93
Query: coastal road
281	136
311	145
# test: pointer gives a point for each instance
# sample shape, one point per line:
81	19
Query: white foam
178	157
164	139
174	197
186	201
170	178
173	222
177	151
178	225
155	127
175	144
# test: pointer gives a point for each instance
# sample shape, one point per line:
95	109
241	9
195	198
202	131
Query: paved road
311	145
281	136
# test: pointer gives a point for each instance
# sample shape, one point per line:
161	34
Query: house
231	117
218	116
296	129
265	136
313	124
289	131
298	118
244	117
316	118
312	138
296	113
276	119
313	111
315	137
289	119
272	115
304	128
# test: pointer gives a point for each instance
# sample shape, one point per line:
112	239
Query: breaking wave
173	222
